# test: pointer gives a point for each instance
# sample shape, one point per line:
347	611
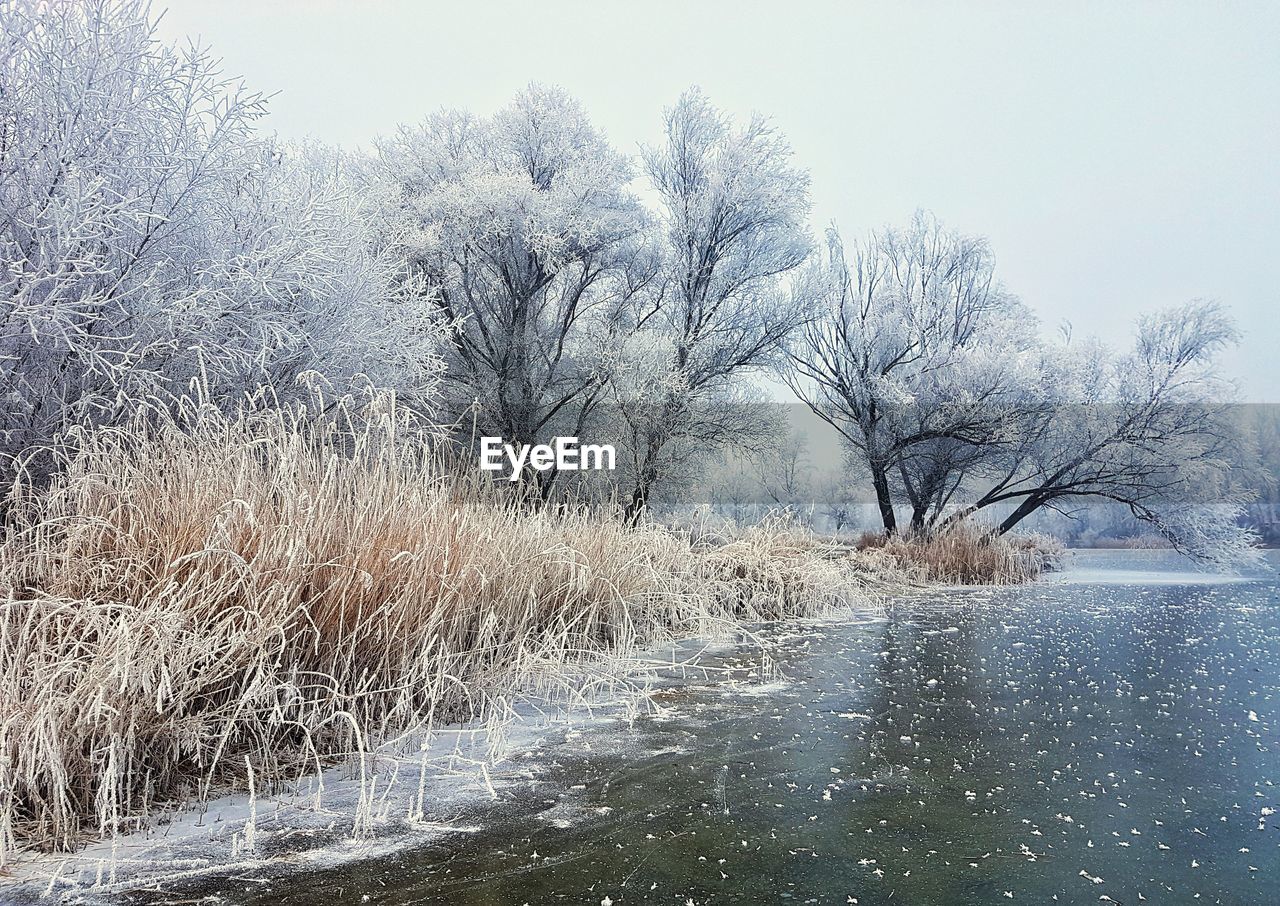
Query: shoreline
462	771
227	599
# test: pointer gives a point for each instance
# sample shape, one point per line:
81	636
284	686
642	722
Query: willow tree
917	356
1151	428
528	243
732	226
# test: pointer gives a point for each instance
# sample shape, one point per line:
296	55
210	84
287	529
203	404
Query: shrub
970	554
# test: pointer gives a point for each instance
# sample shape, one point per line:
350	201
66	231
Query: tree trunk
880	481
637	503
918	499
1025	509
918	512
646	478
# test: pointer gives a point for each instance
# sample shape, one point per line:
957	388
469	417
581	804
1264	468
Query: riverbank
235	603
874	757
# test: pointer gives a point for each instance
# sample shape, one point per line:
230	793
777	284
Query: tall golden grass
969	554
192	591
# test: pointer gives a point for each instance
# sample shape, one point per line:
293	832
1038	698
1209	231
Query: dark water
1075	742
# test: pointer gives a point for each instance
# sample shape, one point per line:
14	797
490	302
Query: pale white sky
1121	157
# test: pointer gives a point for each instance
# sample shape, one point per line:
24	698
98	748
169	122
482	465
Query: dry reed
190	593
969	554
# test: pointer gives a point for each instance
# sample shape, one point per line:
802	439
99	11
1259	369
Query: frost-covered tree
733	226
110	142
530	245
936	378
918	358
153	245
1151	429
318	293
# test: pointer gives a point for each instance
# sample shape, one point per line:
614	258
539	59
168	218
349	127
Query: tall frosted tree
528	243
153	245
941	386
918	357
732	228
1151	428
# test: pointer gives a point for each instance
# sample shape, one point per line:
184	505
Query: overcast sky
1121	157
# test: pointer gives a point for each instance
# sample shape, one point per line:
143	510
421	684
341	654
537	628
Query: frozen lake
1110	736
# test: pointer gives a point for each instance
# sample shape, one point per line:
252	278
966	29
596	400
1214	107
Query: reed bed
192	599
969	554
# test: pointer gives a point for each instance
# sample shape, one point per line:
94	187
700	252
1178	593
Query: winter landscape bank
197	604
255	561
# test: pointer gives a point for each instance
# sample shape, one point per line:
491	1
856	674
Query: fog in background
1120	158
